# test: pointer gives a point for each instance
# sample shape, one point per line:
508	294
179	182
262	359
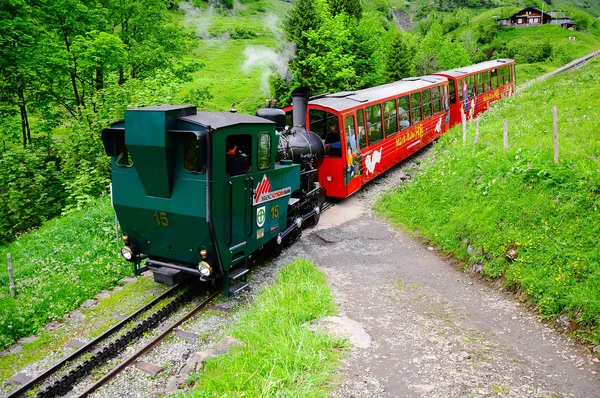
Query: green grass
494	202
280	356
57	267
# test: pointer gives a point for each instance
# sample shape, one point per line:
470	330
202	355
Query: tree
351	7
399	61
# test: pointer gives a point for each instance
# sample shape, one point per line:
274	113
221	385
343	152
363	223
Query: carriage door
351	156
238	190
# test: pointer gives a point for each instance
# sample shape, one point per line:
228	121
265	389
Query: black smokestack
299	102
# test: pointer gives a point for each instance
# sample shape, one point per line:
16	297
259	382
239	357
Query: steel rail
106	378
49	372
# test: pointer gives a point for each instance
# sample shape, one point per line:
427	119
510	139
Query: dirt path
436	332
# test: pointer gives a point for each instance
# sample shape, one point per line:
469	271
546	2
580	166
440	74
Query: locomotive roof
217	120
458	72
349	99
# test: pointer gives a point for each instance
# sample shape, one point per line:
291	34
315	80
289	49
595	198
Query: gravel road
436	331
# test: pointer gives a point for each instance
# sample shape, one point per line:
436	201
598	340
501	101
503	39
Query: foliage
281	356
399	62
58	267
524	218
438	53
30	191
352	8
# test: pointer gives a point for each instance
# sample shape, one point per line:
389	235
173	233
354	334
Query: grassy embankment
57	267
223	59
483	205
280	356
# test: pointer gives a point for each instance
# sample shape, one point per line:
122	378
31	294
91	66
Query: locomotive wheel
274	248
316	218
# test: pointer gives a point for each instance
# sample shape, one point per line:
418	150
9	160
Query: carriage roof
458	72
350	99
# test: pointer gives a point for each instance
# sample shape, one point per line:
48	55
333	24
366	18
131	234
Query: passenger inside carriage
332	142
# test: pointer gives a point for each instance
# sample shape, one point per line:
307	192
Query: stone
28	339
128	279
562	322
470	249
423	388
342	327
430	248
89	303
13	349
119	316
75	316
187	336
75	344
20	379
477	268
53	326
596	349
149	368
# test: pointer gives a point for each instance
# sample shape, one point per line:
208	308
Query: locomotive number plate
161	218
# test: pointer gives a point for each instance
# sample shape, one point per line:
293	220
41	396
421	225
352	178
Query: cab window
264	150
237	155
123	157
390	117
374	130
194	153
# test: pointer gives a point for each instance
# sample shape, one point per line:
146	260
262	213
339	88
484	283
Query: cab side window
123	158
237	155
194	153
264	150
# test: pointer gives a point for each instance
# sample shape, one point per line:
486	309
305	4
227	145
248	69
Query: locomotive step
238	287
238	273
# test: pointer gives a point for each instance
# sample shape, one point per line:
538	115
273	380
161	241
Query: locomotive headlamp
127	253
203	254
204	268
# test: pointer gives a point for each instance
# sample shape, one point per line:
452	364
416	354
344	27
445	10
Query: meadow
533	223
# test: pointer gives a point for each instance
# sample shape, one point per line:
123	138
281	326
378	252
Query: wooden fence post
11	281
505	135
555	125
476	140
464	126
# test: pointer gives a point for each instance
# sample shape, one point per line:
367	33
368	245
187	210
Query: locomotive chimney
299	101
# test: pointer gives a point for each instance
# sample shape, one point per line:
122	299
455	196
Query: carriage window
494	78
471	86
436	99
362	136
264	150
486	81
513	75
460	88
237	155
403	112
426	94
390	115
479	83
452	91
123	158
415	106
374	129
194	153
351	144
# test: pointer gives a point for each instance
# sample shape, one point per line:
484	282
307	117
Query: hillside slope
516	214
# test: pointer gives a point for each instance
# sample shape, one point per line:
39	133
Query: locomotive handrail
230	184
249	178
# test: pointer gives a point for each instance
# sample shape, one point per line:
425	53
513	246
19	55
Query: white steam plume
201	19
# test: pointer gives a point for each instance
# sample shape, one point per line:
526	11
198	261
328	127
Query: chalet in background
531	16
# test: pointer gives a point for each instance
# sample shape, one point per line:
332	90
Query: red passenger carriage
368	131
474	88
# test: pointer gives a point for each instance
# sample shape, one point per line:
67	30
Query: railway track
74	368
